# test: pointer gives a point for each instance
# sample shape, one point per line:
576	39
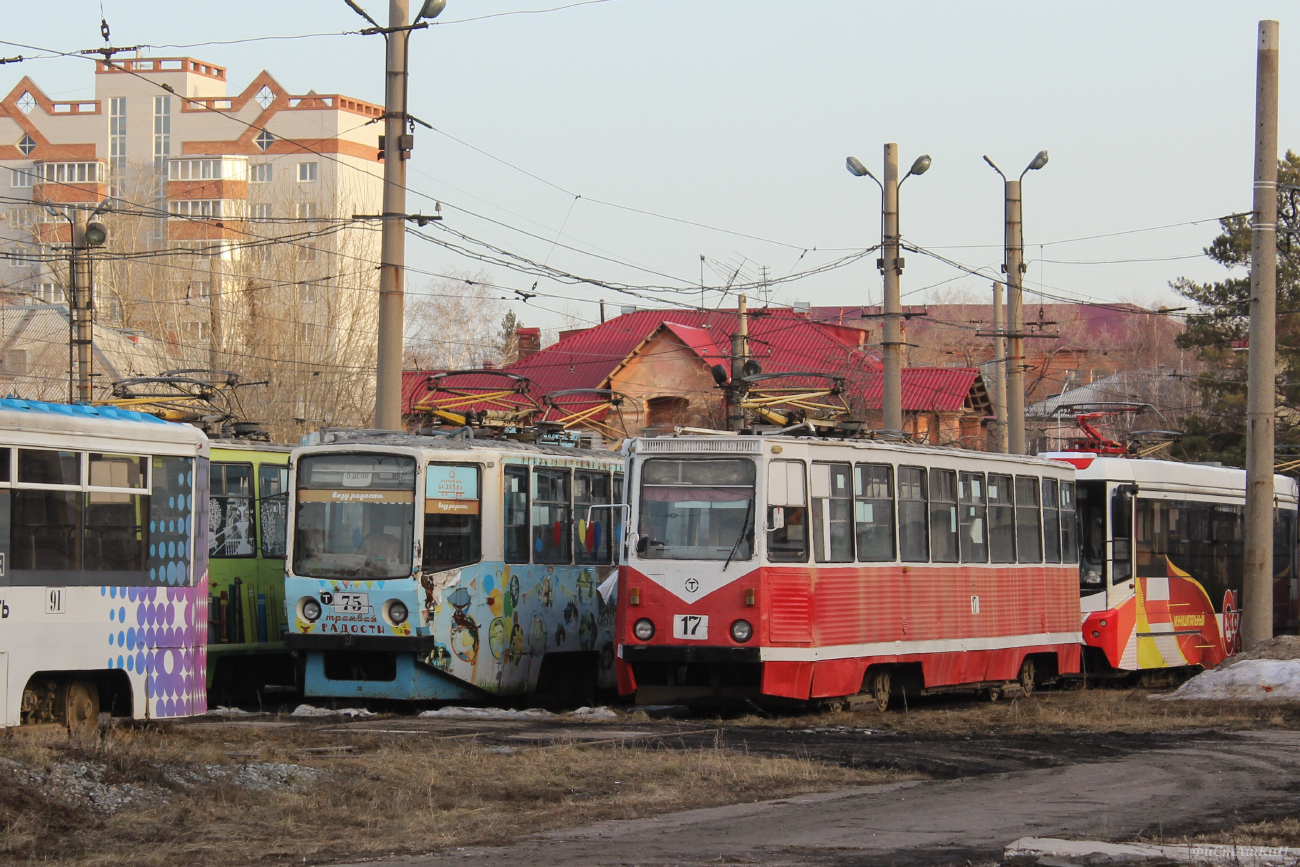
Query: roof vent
626	309
804	307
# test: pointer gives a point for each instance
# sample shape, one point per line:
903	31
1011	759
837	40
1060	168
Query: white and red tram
796	568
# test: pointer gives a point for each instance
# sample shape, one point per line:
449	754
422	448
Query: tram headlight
395	612
643	629
309	609
741	631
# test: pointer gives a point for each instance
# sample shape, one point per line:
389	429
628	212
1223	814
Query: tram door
1121	578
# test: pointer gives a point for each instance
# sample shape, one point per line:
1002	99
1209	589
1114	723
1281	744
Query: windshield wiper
744	531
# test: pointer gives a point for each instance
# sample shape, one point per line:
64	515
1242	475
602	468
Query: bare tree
454	324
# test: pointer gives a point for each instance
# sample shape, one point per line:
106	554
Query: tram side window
873	490
832	513
273	508
4	465
516	514
45	529
116	535
551	516
1051	521
1029	547
591	541
787	541
230	505
943	516
972	518
1002	520
453	521
1069	527
913	532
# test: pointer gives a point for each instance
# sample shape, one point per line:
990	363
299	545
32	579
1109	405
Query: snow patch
1249	679
485	713
308	710
601	712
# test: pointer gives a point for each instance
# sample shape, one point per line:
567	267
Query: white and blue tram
103	565
426	568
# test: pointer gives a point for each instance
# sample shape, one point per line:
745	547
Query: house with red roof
656	370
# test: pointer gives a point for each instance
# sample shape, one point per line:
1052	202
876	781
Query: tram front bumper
417	644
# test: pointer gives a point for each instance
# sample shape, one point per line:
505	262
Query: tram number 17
691	627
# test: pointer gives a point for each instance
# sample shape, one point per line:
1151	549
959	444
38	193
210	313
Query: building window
194	170
69	173
307	252
264	140
162	128
196	208
49	293
27	144
26	103
307	210
117	142
265	97
261	213
259	173
306	173
22	177
309	292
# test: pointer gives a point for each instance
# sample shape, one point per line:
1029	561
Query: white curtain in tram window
785	483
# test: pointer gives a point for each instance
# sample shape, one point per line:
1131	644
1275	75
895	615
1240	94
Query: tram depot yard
274	788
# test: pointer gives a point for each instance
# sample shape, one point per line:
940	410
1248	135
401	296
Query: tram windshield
1092	537
355	516
697	509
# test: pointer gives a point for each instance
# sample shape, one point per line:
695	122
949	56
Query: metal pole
892	342
1257	601
388	374
739	355
999	443
214	311
1015	378
84	309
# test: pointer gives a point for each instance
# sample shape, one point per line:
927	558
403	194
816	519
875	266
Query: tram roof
1178	476
76	418
379	442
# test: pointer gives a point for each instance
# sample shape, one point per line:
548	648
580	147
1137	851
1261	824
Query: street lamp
1014	266
891	267
81	295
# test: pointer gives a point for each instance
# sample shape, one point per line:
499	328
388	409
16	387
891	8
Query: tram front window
1092	537
355	516
697	509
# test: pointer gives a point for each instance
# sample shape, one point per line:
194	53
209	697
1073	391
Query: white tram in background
1162	562
432	568
797	568
103	565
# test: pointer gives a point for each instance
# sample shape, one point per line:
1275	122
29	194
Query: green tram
248	503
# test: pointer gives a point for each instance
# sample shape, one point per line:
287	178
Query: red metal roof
928	389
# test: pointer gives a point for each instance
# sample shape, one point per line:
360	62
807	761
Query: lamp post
81	298
397	144
891	267
1014	267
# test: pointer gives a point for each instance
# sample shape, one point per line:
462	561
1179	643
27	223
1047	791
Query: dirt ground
272	789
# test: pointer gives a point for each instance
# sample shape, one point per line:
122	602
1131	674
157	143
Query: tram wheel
81	712
1026	676
880	685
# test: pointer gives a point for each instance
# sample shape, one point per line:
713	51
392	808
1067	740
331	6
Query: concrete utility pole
1257	602
392	297
891	268
1014	266
999	380
82	306
739	355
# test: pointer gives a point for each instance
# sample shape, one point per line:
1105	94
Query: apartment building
230	238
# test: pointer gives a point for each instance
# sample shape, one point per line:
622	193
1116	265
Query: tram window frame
972	518
1069	527
7	457
1054	523
1028	533
788	543
914	512
1002	518
944	544
831	510
561	554
471	529
119	544
222	495
873	496
618	492
517	538
266	502
600	553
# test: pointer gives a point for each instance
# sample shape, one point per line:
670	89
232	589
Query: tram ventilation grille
695	444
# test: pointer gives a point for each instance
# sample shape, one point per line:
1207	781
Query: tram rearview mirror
775	518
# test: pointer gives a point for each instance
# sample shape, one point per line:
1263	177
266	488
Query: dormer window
27	145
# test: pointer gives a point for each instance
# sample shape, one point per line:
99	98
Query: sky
622	140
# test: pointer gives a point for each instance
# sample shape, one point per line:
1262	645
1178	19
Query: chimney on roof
529	340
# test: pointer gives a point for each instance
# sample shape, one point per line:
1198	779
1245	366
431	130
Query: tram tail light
634	596
749	597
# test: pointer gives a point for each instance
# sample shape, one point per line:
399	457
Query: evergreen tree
508	341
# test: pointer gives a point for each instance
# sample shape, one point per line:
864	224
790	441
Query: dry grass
399	794
1093	710
1274	832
